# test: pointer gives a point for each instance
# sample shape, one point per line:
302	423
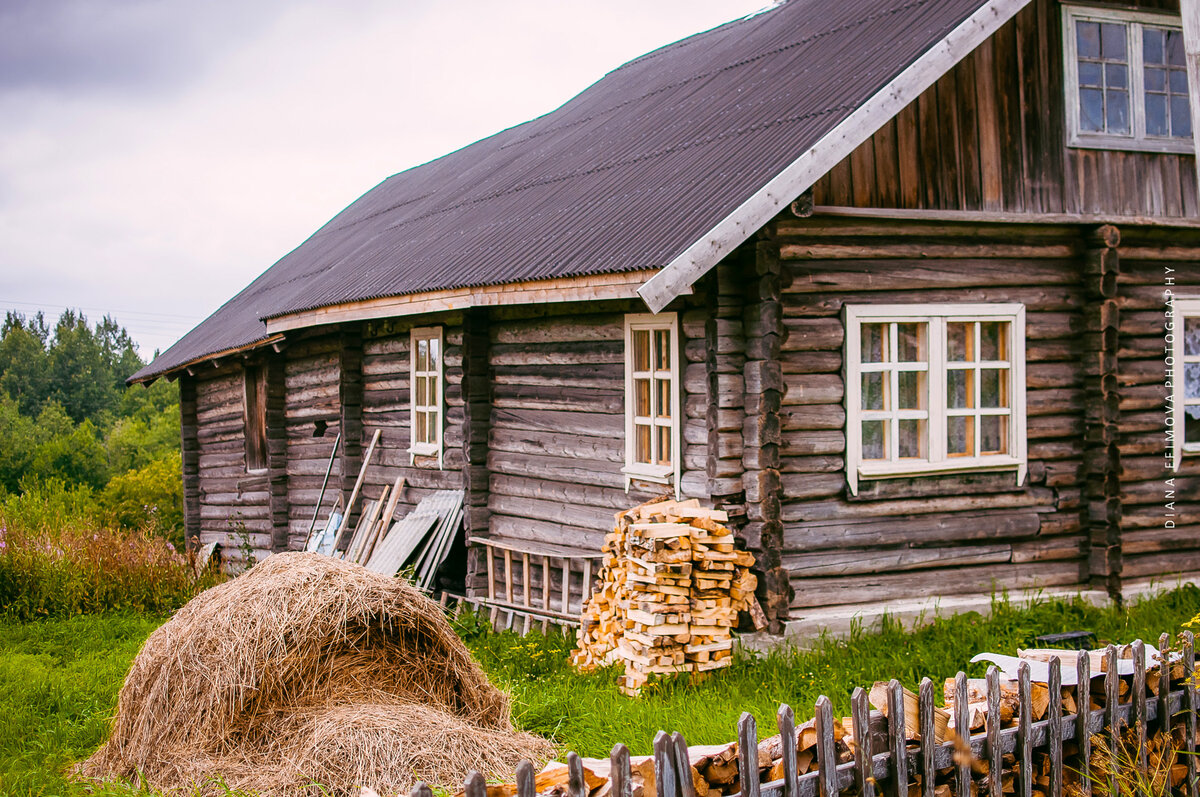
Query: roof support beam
678	275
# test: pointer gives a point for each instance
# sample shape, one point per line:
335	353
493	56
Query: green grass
59	680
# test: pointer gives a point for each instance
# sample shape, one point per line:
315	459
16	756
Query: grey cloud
120	45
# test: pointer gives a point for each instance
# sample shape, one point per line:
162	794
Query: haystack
309	670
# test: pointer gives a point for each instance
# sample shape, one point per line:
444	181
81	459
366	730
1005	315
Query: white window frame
426	449
1182	307
936	316
641	471
1137	140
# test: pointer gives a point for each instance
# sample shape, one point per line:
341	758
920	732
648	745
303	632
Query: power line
147	316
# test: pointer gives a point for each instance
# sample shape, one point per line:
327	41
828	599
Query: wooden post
576	783
477	422
864	772
1102	457
1112	697
1190	707
724	360
350	401
1163	695
929	744
762	429
619	772
1137	713
190	446
526	780
1055	739
994	749
1083	716
421	789
277	478
1025	730
475	785
962	728
664	766
683	767
747	756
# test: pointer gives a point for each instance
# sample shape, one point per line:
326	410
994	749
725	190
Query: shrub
149	496
80	565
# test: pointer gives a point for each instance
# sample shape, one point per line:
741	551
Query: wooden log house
911	289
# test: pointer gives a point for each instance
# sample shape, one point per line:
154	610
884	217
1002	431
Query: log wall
312	367
934	535
991	135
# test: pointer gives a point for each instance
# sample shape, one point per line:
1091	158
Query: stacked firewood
715	768
671	586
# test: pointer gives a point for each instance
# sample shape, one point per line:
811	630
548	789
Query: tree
24	361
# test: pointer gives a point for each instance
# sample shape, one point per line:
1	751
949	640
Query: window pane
993	387
662	395
1191	381
960	389
641	443
911	390
1116	111
421	433
993	429
873	392
1153	49
873	348
1091	110
1156	115
959	346
874	440
1091	75
993	340
910	342
641	350
1155	79
1116	76
1112	41
1175	55
422	355
1191	336
1191	425
664	445
960	436
419	399
1087	37
433	354
1181	117
1178	81
912	439
662	349
641	393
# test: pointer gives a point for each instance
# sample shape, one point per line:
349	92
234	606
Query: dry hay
308	669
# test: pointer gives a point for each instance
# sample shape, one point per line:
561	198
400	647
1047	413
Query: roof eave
681	273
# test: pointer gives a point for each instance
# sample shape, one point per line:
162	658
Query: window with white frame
1126	80
426	382
934	388
1184	379
652	410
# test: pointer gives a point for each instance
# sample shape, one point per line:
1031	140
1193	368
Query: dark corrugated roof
625	176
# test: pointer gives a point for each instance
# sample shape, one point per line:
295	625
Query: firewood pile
715	768
671	586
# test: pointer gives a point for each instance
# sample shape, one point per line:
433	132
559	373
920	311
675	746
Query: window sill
424	450
893	469
1181	146
659	474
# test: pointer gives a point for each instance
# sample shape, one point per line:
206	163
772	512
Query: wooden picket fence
887	772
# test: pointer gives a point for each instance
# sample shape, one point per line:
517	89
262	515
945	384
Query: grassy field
59	680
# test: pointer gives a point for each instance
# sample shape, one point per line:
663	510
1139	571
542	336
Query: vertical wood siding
991	135
311	369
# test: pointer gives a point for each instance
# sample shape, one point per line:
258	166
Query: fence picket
1025	729
1137	716
1055	738
421	789
864	775
928	735
474	785
1162	695
525	780
1112	696
619	772
995	753
785	718
683	766
897	740
962	729
827	757
1189	703
576	784
1083	713
747	755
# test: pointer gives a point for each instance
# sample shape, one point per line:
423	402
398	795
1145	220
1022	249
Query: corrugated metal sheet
625	176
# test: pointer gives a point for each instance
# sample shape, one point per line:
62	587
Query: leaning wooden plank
367	528
451	521
369	515
437	505
385	522
358	483
400	543
204	555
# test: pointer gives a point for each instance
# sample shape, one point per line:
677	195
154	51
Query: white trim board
678	276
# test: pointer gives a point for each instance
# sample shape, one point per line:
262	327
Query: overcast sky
157	155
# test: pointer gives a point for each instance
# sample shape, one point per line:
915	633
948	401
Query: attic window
426	384
255	417
1126	80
